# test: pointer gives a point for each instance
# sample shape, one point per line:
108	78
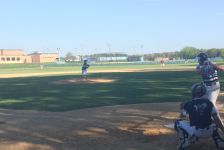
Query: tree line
187	52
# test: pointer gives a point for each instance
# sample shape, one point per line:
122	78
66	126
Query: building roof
11	52
40	53
11	49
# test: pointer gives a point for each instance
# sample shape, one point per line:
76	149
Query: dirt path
90	71
132	127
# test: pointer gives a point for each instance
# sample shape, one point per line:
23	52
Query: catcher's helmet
202	57
198	90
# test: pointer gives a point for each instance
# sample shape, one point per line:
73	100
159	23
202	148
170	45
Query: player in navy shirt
85	66
200	113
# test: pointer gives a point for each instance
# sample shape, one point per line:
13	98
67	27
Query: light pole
76	55
142	46
142	53
58	49
109	48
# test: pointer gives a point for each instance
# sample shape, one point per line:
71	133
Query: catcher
201	120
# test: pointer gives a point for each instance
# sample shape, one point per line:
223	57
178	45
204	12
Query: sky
98	26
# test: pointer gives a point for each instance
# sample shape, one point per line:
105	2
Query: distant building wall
8	56
48	58
11	52
135	58
17	56
27	59
35	58
119	58
44	58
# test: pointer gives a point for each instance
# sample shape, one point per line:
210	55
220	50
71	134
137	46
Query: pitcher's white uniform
210	78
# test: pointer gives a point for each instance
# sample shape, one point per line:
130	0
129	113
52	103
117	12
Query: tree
222	53
149	57
212	52
174	55
189	52
69	57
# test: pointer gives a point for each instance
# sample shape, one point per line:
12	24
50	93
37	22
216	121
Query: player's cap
198	90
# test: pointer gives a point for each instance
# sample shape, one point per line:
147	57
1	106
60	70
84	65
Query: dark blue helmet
198	90
202	57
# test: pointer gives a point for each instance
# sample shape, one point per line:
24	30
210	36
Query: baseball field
118	106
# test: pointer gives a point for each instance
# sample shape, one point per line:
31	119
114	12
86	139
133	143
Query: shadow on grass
38	93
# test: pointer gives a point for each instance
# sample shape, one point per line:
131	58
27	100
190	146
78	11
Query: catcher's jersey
209	73
200	112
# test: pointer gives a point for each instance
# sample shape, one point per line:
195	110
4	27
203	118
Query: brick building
44	57
13	56
17	56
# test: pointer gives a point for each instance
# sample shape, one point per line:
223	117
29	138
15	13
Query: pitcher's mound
83	81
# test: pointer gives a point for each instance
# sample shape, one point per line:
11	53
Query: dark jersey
85	66
200	112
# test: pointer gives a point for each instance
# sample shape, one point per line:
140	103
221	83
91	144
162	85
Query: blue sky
96	26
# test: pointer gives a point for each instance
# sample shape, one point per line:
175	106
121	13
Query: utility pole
58	49
109	48
142	53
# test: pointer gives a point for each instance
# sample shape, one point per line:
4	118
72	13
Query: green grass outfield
38	93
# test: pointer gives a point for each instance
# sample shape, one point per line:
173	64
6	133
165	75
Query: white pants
213	92
84	72
191	130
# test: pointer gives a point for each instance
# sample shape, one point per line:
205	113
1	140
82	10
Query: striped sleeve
214	111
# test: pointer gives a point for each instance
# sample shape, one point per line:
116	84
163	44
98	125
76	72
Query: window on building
18	59
2	59
8	58
13	58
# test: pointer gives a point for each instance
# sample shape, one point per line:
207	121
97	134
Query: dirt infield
91	71
132	127
83	81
